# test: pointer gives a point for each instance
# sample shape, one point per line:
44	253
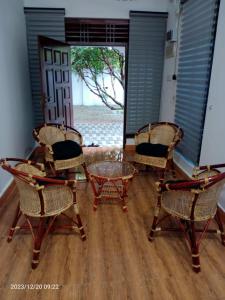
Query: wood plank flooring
116	261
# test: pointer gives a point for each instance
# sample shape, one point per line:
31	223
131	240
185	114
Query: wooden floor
115	262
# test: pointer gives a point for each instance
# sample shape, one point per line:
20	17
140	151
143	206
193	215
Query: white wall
101	8
213	144
15	97
83	96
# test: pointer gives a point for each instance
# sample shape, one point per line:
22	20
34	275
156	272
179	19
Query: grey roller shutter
145	68
44	22
198	25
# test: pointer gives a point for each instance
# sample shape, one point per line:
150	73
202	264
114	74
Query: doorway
98	85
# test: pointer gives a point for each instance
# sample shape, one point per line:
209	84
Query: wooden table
109	180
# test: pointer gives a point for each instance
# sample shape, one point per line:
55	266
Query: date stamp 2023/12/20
35	286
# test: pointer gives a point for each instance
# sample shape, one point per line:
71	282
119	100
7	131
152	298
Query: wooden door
57	105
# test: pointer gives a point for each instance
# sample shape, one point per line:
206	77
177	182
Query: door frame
89	21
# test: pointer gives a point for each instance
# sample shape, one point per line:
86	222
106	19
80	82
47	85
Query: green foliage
96	58
93	63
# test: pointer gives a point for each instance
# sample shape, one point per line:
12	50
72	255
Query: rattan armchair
42	199
190	202
49	135
155	143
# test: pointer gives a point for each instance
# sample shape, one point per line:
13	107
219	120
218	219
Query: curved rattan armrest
27	177
171	147
53	181
38	165
202	183
209	167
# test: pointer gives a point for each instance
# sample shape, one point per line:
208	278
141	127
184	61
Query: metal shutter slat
49	23
145	67
195	58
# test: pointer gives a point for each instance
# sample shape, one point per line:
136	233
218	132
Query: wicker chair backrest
163	134
55	198
49	135
159	133
206	173
180	202
73	136
142	137
29	169
29	198
207	201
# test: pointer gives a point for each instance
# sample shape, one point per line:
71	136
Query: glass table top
111	169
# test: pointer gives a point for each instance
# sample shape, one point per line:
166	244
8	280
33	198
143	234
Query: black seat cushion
66	150
157	150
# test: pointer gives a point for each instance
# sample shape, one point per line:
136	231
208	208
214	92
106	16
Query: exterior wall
16	120
101	8
83	96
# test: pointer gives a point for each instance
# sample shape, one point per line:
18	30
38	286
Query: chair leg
52	168
79	222
220	225
155	219
194	249
39	235
173	168
85	171
162	177
15	221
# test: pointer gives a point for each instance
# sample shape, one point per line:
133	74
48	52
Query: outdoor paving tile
101	134
99	125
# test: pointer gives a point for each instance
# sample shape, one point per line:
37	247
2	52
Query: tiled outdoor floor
99	125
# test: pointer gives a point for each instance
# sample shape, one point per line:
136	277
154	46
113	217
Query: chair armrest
187	185
181	185
40	166
190	184
47	181
171	146
208	167
49	149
